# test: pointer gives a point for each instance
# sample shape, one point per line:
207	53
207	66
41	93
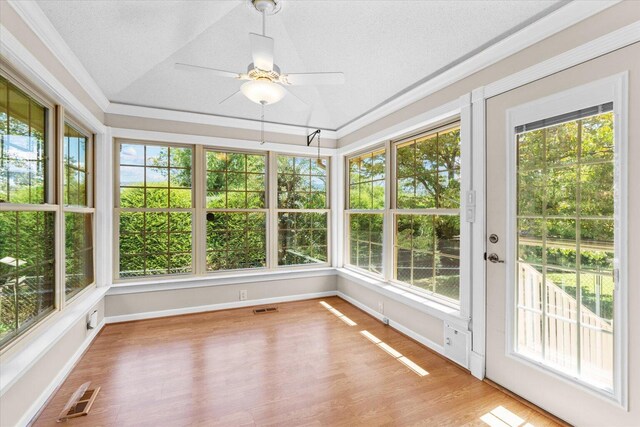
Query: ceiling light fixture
263	91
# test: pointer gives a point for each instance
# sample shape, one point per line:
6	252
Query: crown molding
20	58
558	20
215	141
35	18
210	119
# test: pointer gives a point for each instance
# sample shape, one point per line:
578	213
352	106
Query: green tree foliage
566	206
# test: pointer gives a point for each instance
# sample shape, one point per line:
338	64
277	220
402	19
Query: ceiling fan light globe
262	91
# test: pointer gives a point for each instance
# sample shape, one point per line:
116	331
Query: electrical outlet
243	295
380	307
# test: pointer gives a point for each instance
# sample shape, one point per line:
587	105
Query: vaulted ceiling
383	47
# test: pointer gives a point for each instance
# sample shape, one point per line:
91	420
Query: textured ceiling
383	47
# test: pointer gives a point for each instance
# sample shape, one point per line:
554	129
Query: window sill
16	362
423	304
186	282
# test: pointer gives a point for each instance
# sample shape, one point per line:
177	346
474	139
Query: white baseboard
395	325
216	307
39	403
476	362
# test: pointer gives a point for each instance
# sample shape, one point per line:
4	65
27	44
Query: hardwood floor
302	365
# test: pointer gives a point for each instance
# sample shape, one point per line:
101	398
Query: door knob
495	258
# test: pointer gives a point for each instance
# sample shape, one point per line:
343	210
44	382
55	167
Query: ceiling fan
265	83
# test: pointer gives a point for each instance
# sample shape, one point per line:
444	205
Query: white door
556	327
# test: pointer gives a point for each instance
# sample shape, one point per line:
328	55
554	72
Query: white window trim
614	88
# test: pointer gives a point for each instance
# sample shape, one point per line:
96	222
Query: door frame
602	45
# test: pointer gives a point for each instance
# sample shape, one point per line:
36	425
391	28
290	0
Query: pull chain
261	123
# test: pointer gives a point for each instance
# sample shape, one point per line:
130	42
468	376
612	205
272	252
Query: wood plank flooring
302	365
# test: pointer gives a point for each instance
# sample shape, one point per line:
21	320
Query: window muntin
155	210
23	147
427	234
565	247
236	210
302	210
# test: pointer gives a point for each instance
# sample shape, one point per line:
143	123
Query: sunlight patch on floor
502	417
338	314
395	353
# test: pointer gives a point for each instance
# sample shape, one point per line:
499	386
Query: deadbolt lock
493	238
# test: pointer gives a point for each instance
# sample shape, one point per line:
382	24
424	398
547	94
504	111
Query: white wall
137	305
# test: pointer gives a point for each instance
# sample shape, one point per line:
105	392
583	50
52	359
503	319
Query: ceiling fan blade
294	96
221	73
313	79
229	97
262	51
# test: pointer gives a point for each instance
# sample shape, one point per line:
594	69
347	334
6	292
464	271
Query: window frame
202	210
117	210
53	202
90	195
198	195
443	126
385	211
275	211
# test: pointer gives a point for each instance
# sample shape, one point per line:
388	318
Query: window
154	209
366	204
565	243
427	213
302	210
27	224
78	209
236	211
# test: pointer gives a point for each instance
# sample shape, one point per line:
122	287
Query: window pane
367	181
302	183
365	231
23	150
78	252
428	171
236	240
236	180
27	270
302	238
427	253
566	247
75	149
